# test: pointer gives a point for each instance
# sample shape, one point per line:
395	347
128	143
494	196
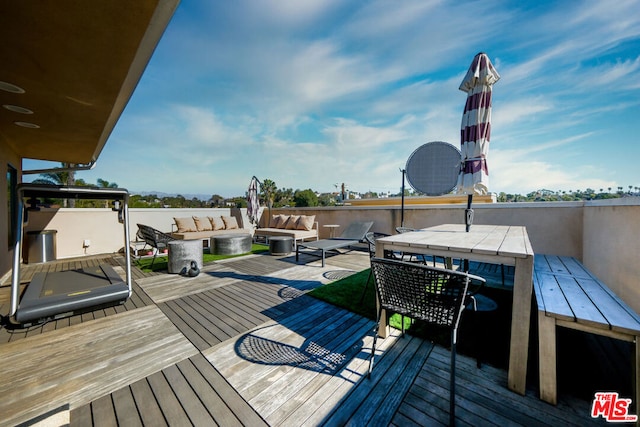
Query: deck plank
190	392
240	408
196	411
169	286
372	390
75	368
150	412
125	408
171	408
103	412
216	406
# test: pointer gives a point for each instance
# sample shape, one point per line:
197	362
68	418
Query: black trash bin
40	246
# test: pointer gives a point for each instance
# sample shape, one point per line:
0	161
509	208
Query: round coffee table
182	252
230	244
280	245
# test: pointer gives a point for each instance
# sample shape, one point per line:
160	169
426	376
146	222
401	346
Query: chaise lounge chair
352	235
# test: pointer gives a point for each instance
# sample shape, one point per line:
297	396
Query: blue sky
315	93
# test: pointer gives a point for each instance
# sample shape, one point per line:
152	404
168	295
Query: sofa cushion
296	234
186	224
202	224
279	221
216	223
207	234
230	222
292	223
306	222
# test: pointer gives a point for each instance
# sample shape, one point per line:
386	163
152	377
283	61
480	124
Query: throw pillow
202	224
216	223
292	223
280	221
230	222
306	222
274	221
185	225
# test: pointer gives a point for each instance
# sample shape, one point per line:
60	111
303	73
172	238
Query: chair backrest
153	237
371	238
405	229
356	230
422	292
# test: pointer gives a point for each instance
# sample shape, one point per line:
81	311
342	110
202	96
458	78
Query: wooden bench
568	295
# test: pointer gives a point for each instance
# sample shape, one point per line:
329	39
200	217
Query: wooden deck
241	344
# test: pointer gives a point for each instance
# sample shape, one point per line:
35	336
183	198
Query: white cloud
525	170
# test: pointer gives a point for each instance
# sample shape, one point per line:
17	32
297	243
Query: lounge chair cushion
202	224
216	223
306	222
185	224
230	223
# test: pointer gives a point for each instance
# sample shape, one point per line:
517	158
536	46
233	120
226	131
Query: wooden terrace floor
241	344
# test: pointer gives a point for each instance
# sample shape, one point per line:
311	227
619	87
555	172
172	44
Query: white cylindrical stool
182	252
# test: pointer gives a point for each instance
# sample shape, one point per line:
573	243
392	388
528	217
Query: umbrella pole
468	213
468	220
402	190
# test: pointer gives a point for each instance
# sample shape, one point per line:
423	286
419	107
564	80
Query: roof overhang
78	63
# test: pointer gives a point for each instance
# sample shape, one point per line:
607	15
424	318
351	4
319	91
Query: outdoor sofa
300	227
205	227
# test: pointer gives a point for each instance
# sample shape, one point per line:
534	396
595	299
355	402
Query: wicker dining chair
433	295
371	238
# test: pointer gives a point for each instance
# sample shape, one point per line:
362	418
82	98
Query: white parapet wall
101	229
611	245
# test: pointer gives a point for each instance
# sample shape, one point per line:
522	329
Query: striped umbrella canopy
476	126
253	205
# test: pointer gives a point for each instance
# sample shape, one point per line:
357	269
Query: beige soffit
78	63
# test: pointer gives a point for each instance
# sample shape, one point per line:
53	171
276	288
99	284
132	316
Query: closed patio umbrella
476	129
253	204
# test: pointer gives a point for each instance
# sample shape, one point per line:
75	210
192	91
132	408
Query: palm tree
268	190
63	177
106	184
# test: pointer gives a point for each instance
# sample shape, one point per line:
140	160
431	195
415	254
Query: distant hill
161	194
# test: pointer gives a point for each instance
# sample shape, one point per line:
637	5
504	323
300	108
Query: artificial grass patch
347	293
161	262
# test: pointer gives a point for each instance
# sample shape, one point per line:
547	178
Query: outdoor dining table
496	244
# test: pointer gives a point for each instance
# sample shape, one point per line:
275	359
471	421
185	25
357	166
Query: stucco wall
73	226
612	246
102	229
